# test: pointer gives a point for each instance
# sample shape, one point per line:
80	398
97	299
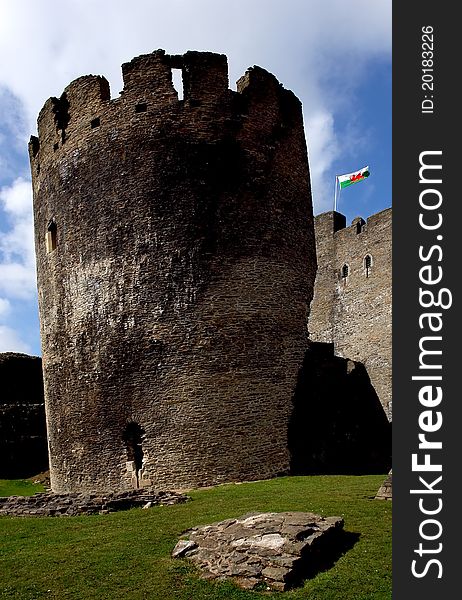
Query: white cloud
13	134
17	256
17	260
323	144
5	307
11	342
14	126
17	280
17	198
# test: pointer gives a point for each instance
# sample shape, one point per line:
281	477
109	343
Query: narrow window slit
368	264
141	107
51	236
95	123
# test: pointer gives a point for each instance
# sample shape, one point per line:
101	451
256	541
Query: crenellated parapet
86	106
84	99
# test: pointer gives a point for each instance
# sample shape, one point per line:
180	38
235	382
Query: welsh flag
350	178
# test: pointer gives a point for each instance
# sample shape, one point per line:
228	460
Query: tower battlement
85	109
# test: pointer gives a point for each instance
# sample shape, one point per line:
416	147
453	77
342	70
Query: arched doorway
133	438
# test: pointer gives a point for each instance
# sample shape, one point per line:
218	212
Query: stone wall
352	300
321	323
49	504
176	262
23	440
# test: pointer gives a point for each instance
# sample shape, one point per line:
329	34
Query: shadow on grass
322	555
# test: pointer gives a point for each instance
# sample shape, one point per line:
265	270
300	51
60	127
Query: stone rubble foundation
262	550
386	489
49	504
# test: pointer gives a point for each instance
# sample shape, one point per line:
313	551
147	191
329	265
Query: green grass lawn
19	487
126	555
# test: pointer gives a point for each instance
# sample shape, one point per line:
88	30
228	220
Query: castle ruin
176	263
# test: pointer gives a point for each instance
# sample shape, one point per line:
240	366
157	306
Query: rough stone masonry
60	505
176	262
263	550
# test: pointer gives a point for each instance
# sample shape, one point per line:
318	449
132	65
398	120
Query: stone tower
176	264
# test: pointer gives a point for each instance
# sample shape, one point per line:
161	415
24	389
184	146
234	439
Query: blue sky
334	55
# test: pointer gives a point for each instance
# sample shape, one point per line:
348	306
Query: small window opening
368	264
55	146
95	123
345	271
51	236
133	438
141	107
177	79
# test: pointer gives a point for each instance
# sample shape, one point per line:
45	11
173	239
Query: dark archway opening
133	438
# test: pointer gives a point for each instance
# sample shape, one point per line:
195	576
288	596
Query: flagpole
335	194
